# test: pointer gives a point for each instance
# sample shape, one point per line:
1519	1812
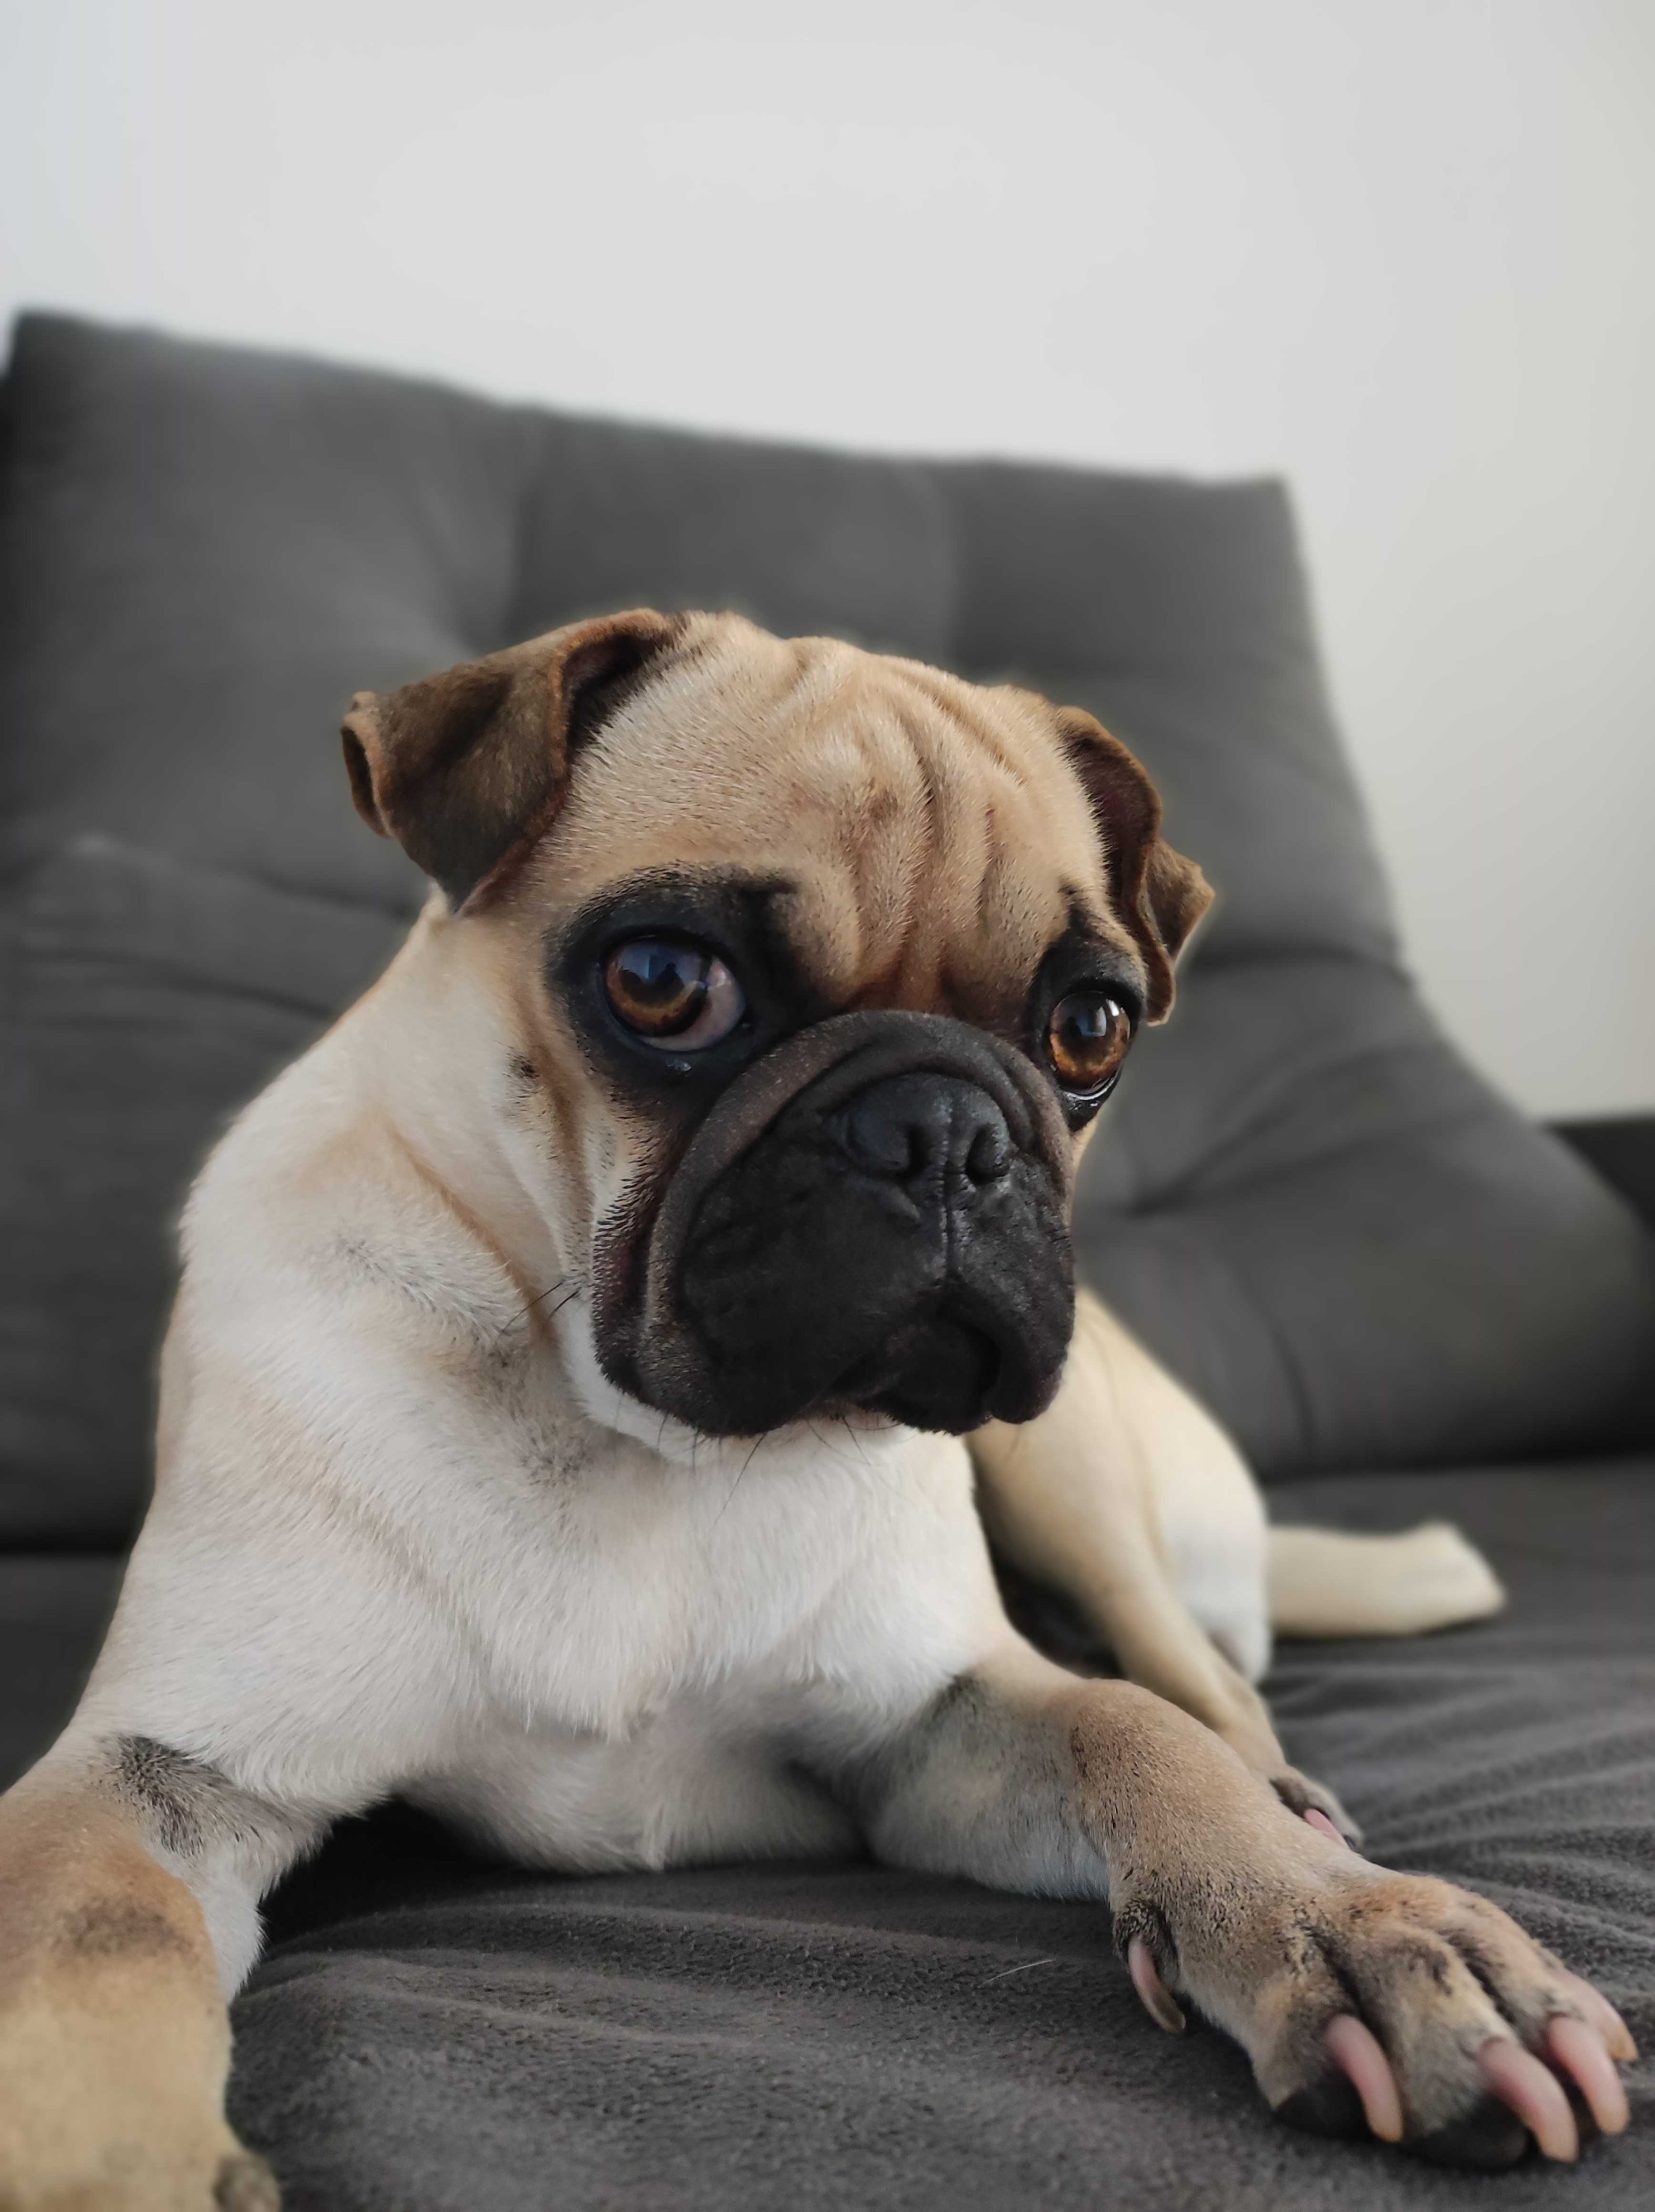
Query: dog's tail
1323	1581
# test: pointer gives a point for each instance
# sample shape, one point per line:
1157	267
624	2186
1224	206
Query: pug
570	1411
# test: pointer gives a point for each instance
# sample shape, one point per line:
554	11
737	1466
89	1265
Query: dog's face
812	968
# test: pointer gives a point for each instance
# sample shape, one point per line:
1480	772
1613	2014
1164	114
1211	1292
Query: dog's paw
1395	2004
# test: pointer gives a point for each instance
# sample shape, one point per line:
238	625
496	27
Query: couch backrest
1304	1200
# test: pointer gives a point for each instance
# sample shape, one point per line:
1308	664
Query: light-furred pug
562	1420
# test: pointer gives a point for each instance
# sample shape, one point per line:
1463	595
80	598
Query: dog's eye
1087	1038
672	993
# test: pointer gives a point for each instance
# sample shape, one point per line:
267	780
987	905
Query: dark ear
1156	892
468	769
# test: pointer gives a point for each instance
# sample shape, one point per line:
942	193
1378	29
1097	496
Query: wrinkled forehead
932	840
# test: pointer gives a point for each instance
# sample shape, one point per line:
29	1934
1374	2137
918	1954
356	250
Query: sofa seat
425	2035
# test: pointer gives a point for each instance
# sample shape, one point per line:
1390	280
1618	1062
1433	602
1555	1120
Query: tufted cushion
1304	1200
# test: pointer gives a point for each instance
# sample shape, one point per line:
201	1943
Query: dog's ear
467	769
1156	892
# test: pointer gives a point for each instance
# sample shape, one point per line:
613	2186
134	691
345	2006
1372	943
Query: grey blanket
432	2037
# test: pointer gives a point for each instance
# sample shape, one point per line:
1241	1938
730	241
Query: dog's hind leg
1078	1499
1128	1496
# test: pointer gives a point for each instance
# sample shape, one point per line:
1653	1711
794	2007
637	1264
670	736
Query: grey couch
1405	1299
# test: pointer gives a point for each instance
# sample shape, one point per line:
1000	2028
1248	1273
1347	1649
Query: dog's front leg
129	1884
1357	1993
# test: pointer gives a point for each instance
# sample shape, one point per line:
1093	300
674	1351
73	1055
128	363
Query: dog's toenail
1358	2054
1580	2053
1158	2000
1516	2077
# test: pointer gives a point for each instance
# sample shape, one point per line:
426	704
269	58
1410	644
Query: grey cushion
149	998
431	2036
54	1608
1305	1203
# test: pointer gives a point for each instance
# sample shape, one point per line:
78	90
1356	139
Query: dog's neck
442	1101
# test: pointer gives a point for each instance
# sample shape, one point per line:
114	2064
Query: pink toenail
1316	1818
1533	2094
1359	2055
1580	2051
1158	2000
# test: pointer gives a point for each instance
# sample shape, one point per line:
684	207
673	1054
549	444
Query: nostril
990	1153
881	1142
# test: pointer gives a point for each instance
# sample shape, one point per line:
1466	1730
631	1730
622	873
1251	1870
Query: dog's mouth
939	1372
873	1216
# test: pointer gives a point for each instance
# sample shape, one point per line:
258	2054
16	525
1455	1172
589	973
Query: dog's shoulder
316	1198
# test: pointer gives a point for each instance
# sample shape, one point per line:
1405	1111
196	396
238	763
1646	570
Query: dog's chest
750	1576
673	1651
695	1653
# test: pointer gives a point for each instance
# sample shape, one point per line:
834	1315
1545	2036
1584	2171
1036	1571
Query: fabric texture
1304	1202
428	2035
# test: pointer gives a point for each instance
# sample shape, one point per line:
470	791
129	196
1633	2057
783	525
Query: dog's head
810	968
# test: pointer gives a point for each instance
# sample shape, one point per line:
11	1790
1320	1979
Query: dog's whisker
842	1457
523	1310
1027	1967
736	1485
871	1466
844	1423
861	1460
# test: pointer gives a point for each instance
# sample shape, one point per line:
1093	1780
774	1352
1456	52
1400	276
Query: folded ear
467	769
1156	892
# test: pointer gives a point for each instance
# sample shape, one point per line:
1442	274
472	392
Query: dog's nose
927	1133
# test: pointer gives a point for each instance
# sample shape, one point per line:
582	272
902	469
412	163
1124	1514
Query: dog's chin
940	1372
939	1380
948	1365
859	1436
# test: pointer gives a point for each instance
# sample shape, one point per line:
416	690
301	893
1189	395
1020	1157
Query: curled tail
1323	1581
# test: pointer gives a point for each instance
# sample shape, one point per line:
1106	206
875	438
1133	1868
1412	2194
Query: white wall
1400	252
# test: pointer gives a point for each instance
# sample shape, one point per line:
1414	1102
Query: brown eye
1087	1038
672	993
